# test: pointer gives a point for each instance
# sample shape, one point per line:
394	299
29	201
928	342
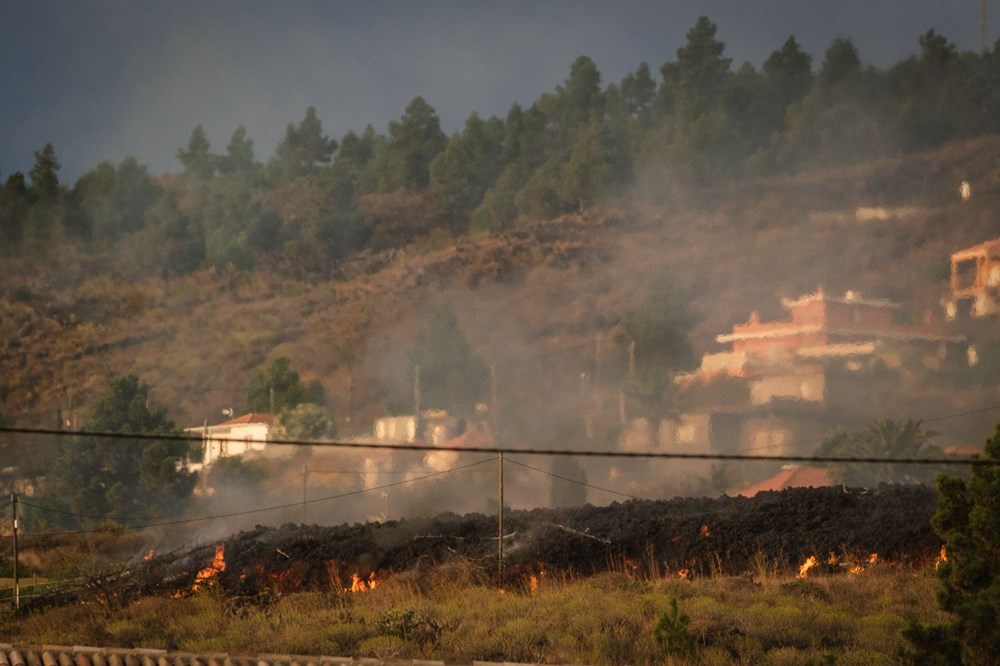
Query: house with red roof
781	386
243	435
823	328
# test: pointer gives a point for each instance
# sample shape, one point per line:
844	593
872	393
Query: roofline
814	328
849	298
989	248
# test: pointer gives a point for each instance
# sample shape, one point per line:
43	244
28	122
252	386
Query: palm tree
888	439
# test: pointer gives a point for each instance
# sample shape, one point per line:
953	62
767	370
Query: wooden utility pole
622	416
350	395
631	360
416	401
500	526
305	485
17	580
493	397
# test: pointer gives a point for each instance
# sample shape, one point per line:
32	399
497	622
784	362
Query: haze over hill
560	265
534	296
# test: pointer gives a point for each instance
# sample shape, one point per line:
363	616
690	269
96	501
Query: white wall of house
238	439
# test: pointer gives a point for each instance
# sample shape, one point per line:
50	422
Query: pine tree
968	522
123	478
44	175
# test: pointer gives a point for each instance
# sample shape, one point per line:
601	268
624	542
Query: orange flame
705	532
855	570
359	584
832	560
807	565
150	554
943	557
212	570
533	583
683	574
873	559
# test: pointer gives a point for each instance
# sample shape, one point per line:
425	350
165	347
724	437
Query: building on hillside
783	385
975	281
787	357
244	435
435	426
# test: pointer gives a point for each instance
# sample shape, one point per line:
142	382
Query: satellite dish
227	411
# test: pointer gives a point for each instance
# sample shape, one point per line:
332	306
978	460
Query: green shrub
672	633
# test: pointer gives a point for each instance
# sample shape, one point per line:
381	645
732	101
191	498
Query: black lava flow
726	535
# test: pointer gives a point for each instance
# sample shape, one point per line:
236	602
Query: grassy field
453	613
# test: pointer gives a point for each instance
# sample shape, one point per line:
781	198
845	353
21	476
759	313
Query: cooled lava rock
728	535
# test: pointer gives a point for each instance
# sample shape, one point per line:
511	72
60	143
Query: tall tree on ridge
304	149
413	143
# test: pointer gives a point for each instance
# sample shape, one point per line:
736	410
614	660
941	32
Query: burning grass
454	612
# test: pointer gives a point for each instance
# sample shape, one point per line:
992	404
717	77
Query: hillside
531	301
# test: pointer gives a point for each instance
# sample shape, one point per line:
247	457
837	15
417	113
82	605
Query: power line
958	414
581	483
247	512
401	446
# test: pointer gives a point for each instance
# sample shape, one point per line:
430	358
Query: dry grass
452	613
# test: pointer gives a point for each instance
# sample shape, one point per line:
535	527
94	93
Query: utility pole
305	485
631	361
17	580
271	392
416	401
493	397
350	395
500	526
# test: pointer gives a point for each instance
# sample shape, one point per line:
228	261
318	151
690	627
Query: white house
236	437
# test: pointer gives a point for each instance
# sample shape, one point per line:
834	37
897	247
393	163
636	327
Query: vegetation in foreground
454	613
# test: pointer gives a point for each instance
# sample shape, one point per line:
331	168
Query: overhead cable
565	478
600	453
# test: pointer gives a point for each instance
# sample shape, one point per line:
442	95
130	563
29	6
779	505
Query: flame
630	567
832	560
943	557
150	554
534	580
873	559
855	570
705	532
683	574
212	570
359	584
807	565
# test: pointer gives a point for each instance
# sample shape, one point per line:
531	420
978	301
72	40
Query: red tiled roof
793	477
963	450
251	417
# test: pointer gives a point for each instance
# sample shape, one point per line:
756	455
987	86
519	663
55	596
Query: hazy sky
103	80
